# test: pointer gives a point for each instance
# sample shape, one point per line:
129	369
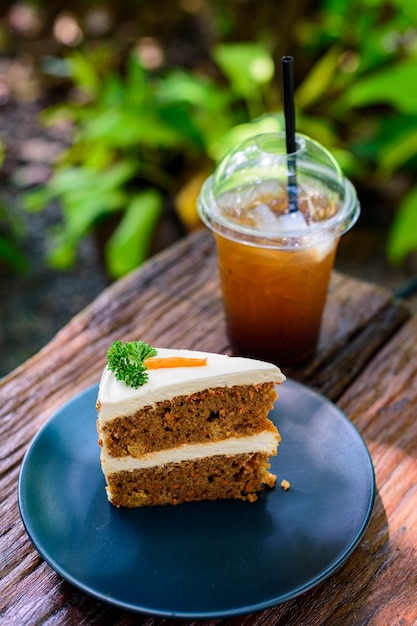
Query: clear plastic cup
275	265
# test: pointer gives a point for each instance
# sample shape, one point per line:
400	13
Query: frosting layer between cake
262	442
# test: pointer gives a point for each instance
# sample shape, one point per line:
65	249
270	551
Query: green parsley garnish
126	361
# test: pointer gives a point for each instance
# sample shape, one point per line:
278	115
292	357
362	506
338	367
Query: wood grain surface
366	363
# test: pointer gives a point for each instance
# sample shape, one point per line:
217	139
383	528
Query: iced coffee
275	265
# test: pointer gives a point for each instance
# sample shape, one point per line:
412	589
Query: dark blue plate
203	559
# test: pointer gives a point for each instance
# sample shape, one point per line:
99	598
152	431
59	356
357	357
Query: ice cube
294	221
268	189
247	196
265	219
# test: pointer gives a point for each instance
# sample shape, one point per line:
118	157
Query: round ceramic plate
202	559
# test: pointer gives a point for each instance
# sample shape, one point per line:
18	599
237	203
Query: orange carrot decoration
173	361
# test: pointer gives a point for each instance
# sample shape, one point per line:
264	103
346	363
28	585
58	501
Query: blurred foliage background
140	99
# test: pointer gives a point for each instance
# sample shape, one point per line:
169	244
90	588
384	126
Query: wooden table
366	363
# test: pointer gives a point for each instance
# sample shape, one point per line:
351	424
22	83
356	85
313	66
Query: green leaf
407	7
319	128
58	113
239	133
74	180
317	82
114	126
393	85
121	128
246	65
112	92
127	361
138	85
84	73
179	118
12	256
37	199
82	211
128	246
182	87
203	109
398	152
62	253
96	155
85	195
70	180
402	237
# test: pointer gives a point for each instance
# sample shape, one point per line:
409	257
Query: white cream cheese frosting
265	442
116	399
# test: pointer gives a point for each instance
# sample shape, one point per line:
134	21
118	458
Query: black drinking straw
289	114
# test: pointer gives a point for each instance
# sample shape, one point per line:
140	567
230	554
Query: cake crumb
285	484
270	480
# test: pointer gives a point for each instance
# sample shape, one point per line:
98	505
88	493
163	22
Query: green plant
11	254
11	231
359	96
138	134
112	166
130	134
394	142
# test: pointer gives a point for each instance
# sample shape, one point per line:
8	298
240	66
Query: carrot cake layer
191	411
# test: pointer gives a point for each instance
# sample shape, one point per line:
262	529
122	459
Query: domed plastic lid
247	198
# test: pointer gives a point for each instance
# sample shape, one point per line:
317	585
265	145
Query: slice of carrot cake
178	426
